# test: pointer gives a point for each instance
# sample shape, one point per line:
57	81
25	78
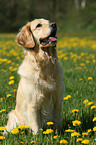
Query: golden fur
41	88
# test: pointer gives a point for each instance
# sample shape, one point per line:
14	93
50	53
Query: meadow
77	56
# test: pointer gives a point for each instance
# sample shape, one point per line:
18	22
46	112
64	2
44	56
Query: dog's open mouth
51	40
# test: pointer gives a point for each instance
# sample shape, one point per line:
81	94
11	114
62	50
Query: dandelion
41	129
27	126
2	137
11	82
64	141
75	134
90	103
65	98
80	79
85	102
8	95
21	126
15	131
94	129
55	137
32	141
89	78
94	119
49	131
93	107
85	133
69	130
76	122
9	61
21	142
12	77
89	130
82	64
3	110
90	83
1	99
79	139
75	110
68	96
15	90
44	132
50	123
85	141
22	132
2	128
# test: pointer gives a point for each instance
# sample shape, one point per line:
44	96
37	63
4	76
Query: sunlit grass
78	59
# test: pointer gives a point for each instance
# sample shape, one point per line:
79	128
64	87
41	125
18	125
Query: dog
41	88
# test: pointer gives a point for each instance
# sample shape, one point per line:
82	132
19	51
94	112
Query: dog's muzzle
51	40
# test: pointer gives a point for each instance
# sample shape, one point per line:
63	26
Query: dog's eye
39	25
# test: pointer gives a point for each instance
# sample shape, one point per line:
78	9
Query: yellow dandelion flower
69	130
27	126
9	61
90	103
32	141
79	139
75	134
49	131
3	110
41	129
80	79
76	122
95	139
85	141
89	130
65	98
8	95
11	82
89	78
82	64
94	119
75	110
1	99
85	102
55	137
94	129
85	133
15	131
2	128
14	69
68	96
15	90
90	83
21	142
93	107
2	137
50	123
44	132
22	132
21	126
64	141
12	77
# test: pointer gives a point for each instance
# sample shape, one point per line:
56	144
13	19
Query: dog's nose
53	25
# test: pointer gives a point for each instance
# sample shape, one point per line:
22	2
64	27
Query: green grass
78	63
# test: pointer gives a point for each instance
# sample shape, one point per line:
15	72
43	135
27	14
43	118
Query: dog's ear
25	37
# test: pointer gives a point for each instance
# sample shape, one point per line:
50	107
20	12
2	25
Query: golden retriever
41	88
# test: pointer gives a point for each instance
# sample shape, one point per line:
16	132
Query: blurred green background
70	15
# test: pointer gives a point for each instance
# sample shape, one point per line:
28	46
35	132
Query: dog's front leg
33	118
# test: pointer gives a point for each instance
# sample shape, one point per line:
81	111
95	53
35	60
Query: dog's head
38	32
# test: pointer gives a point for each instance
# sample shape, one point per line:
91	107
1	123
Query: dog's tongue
53	38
